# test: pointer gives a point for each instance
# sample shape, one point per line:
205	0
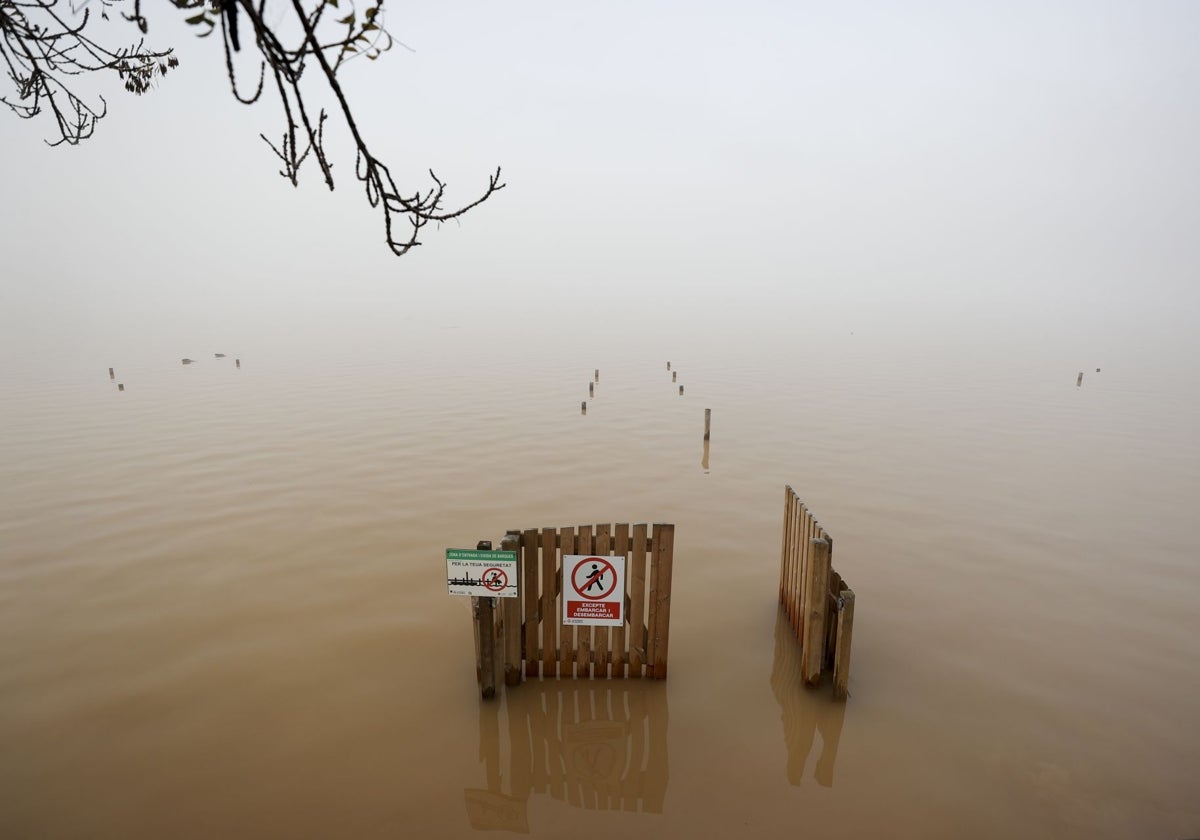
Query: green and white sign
487	574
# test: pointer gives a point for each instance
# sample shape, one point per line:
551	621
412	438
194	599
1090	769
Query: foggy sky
1015	170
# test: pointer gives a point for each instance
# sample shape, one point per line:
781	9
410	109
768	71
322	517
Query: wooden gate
530	636
818	603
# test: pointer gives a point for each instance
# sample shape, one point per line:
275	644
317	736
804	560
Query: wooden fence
530	637
818	603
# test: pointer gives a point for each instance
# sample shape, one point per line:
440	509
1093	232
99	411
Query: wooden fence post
817	606
510	617
485	626
845	634
660	598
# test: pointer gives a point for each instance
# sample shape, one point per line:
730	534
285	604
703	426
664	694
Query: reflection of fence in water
803	713
594	746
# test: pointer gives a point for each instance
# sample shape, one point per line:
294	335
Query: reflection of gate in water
803	713
591	745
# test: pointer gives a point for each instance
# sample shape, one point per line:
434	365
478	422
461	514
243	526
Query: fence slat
550	616
601	634
566	632
619	654
785	560
637	602
664	549
530	600
584	544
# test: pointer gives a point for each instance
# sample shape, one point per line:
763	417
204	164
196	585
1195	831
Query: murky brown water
223	608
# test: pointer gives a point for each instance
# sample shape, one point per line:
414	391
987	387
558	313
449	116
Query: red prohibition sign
601	571
497	581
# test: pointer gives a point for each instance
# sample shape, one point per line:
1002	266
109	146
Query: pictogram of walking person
596	578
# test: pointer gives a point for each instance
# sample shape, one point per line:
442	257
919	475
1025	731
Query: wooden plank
619	654
584	544
803	602
831	615
637	602
566	632
511	617
845	636
550	618
530	600
800	565
814	638
664	549
601	634
785	560
487	647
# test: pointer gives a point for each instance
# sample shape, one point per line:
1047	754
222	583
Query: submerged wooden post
484	610
597	374
510	617
668	365
660	599
1079	379
121	386
583	407
707	422
845	634
238	362
817	604
485	623
591	389
681	390
674	375
111	375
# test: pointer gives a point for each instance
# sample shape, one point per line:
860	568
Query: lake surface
223	607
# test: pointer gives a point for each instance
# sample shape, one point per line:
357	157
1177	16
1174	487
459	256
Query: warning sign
489	574
596	595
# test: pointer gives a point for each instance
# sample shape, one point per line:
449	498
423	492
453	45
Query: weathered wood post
583	407
816	605
597	374
121	386
111	375
845	634
681	390
668	365
484	610
1079	379
591	389
707	422
674	376
511	617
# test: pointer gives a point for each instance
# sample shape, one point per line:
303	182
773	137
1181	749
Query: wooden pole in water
668	365
591	389
121	386
681	390
238	362
674	375
111	375
510	612
818	603
597	374
707	422
1079	379
485	627
583	407
845	633
486	620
